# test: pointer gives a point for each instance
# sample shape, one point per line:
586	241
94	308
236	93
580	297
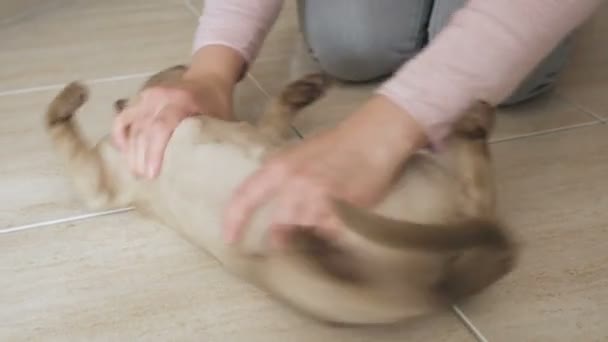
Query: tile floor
120	277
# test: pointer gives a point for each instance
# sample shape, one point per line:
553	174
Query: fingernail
276	242
227	234
229	237
150	173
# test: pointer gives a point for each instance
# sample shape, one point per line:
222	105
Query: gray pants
365	40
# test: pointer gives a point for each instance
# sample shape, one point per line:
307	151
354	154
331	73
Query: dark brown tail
276	120
486	253
403	234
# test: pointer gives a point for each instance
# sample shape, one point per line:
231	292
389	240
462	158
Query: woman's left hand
355	161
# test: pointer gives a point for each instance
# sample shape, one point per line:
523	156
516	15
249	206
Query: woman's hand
355	162
144	128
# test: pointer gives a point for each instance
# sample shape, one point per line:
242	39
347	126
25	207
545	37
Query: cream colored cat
433	240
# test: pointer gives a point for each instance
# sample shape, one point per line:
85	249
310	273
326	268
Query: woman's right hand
143	129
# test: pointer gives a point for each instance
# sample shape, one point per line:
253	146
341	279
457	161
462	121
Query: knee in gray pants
362	40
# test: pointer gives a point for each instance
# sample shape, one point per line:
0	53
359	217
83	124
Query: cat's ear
120	105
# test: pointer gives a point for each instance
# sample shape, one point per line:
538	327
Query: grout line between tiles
188	4
191	8
63	220
59	86
259	86
546	132
37	10
581	108
469	324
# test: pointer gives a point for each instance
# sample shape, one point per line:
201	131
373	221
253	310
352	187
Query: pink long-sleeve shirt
483	53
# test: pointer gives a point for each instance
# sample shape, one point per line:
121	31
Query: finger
158	137
289	207
303	204
133	143
252	194
138	142
285	218
132	151
141	143
136	153
317	215
130	115
329	226
279	236
120	131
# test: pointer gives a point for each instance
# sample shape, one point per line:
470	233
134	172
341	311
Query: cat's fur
433	240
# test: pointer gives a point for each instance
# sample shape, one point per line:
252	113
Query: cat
435	238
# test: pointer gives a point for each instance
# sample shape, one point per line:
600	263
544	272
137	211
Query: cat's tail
402	234
83	161
277	118
487	251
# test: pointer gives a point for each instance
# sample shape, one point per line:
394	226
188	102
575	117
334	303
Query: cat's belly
194	188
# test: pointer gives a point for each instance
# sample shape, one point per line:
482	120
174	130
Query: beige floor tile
12	11
336	106
553	192
75	39
585	80
124	278
32	181
548	112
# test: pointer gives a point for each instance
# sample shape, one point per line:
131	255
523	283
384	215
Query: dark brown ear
403	234
120	105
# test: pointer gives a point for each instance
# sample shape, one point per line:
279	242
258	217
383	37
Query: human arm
227	40
483	54
241	25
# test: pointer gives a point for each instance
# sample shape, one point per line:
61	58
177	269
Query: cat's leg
467	155
277	118
85	163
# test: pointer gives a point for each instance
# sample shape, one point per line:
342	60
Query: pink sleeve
486	50
239	24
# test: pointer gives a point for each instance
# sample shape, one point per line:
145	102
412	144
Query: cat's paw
63	107
305	90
